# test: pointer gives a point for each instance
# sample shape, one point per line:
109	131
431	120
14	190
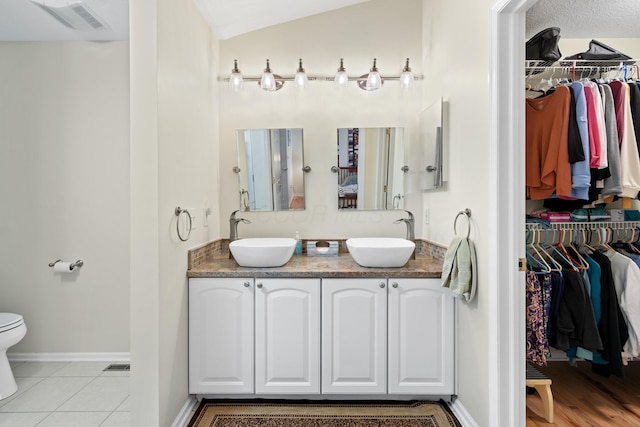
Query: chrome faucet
233	225
411	235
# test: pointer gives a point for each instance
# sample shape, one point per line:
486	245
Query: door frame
507	404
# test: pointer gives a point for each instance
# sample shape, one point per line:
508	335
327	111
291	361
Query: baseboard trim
68	357
462	414
184	416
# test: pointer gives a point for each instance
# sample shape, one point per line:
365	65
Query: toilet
12	330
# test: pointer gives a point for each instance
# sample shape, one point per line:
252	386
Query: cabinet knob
259	285
394	284
247	284
382	285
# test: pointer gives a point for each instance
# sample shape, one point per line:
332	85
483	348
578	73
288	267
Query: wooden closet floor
582	398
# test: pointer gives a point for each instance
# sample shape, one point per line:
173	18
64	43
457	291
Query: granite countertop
424	266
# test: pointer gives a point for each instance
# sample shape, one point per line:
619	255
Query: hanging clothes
537	344
547	157
576	323
629	156
612	184
626	279
580	173
611	326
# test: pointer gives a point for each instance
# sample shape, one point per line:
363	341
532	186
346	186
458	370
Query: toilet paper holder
78	263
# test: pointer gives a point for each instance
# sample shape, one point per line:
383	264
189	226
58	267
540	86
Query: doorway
508	39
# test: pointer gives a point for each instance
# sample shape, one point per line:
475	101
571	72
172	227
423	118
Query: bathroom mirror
370	168
433	136
270	175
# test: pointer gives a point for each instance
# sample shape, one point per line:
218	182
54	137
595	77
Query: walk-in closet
582	112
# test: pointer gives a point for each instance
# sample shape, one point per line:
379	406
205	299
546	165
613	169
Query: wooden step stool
542	384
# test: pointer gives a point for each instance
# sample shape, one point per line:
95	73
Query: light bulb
268	81
300	80
236	82
406	78
341	79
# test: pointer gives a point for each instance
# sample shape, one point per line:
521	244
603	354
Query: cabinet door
421	340
287	332
354	336
220	335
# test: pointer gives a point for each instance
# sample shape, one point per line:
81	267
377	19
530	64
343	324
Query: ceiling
587	19
24	20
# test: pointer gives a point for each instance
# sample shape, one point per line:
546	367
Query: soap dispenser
298	249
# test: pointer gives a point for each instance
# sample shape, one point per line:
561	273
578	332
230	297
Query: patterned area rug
213	413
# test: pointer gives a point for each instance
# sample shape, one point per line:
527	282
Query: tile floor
67	394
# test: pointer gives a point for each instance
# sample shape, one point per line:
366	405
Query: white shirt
626	279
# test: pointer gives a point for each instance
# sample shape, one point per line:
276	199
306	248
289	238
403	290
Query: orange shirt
547	164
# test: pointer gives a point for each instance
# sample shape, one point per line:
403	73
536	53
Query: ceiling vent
76	15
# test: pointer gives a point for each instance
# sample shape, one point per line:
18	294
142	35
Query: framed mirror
433	136
370	168
270	169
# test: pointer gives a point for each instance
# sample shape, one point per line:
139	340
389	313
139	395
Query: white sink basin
380	251
262	251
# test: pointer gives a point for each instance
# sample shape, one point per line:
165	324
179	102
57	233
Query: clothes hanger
580	259
602	241
629	244
584	243
560	251
553	264
537	258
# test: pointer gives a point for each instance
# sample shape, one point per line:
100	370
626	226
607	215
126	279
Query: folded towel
459	269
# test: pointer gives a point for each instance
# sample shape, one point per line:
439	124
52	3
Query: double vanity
320	327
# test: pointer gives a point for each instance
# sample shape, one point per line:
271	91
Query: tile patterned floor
67	394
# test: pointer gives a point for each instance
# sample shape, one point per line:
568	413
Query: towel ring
467	214
178	213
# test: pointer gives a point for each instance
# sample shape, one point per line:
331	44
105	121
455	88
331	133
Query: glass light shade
236	82
341	79
374	81
300	80
268	81
406	79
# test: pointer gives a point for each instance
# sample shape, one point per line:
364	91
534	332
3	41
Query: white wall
64	181
456	59
375	29
174	163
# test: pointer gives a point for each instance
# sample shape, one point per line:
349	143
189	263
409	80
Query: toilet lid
10	321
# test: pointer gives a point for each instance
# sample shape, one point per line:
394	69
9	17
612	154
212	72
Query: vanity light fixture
300	80
341	79
372	80
236	82
406	77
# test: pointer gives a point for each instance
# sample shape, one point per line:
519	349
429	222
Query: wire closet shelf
584	67
593	225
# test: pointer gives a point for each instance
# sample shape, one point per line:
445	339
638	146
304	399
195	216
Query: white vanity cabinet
421	337
287	336
228	315
220	335
354	336
321	337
